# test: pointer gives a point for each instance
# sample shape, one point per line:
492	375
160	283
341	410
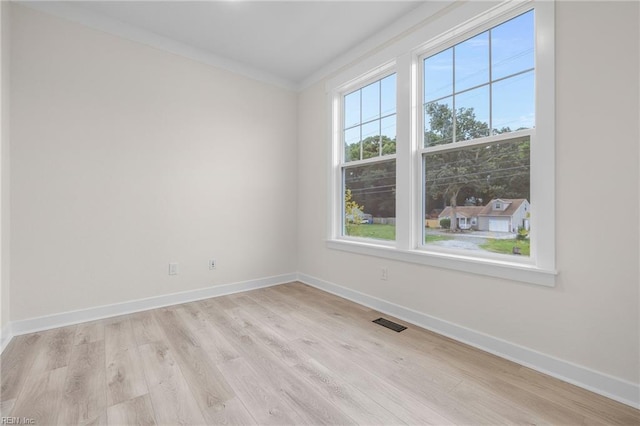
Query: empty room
320	212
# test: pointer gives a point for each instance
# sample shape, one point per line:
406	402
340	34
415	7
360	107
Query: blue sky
378	110
495	56
489	76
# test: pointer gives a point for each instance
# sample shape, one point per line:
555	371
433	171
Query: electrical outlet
212	264
173	269
384	273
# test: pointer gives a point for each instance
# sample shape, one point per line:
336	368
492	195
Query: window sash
521	137
343	213
432	49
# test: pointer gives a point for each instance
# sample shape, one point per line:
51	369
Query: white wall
591	317
4	163
125	158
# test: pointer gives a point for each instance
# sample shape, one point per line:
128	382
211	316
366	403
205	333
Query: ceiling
289	40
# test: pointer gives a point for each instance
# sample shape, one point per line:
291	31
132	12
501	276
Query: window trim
402	56
338	160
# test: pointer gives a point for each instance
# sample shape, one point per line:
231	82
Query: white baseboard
100	312
5	336
612	387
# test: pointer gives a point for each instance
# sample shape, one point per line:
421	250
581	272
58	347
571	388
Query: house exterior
499	215
467	216
504	215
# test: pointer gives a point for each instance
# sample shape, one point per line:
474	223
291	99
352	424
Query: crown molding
400	28
405	25
79	15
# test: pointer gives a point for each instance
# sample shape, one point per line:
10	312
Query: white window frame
339	161
405	57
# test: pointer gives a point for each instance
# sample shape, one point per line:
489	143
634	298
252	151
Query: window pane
352	109
438	122
371	140
438	76
371	102
512	46
472	62
472	114
352	144
388	131
388	95
370	200
489	187
514	103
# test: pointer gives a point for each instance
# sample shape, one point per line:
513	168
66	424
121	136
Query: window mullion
453	97
490	84
380	118
404	155
360	124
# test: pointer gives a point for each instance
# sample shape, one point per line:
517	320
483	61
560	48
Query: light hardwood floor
289	354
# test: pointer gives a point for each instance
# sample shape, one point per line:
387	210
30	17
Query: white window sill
494	268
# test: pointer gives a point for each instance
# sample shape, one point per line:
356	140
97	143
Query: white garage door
499	225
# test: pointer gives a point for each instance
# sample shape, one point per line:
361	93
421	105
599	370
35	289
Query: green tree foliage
445	223
499	170
352	212
373	185
441	124
371	148
486	172
523	234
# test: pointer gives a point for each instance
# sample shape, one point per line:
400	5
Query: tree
373	185
371	148
486	171
352	212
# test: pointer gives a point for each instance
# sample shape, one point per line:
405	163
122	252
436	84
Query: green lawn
506	246
380	232
433	238
388	232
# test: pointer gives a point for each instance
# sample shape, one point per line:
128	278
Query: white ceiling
289	40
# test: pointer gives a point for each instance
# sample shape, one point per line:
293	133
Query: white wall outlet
212	264
173	269
384	273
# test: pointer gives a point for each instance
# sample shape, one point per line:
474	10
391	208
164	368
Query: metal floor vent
390	324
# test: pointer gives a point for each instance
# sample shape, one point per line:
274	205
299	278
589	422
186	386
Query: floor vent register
390	324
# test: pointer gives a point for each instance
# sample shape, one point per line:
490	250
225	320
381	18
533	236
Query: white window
478	117
463	127
368	166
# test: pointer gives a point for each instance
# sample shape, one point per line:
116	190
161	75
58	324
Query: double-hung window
368	169
479	120
446	156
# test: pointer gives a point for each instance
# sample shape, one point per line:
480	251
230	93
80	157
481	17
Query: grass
377	231
434	238
506	246
388	232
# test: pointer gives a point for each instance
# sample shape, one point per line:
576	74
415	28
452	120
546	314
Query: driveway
467	240
461	242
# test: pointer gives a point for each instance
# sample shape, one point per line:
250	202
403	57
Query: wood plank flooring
283	355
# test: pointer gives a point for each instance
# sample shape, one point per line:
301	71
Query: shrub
445	223
523	234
